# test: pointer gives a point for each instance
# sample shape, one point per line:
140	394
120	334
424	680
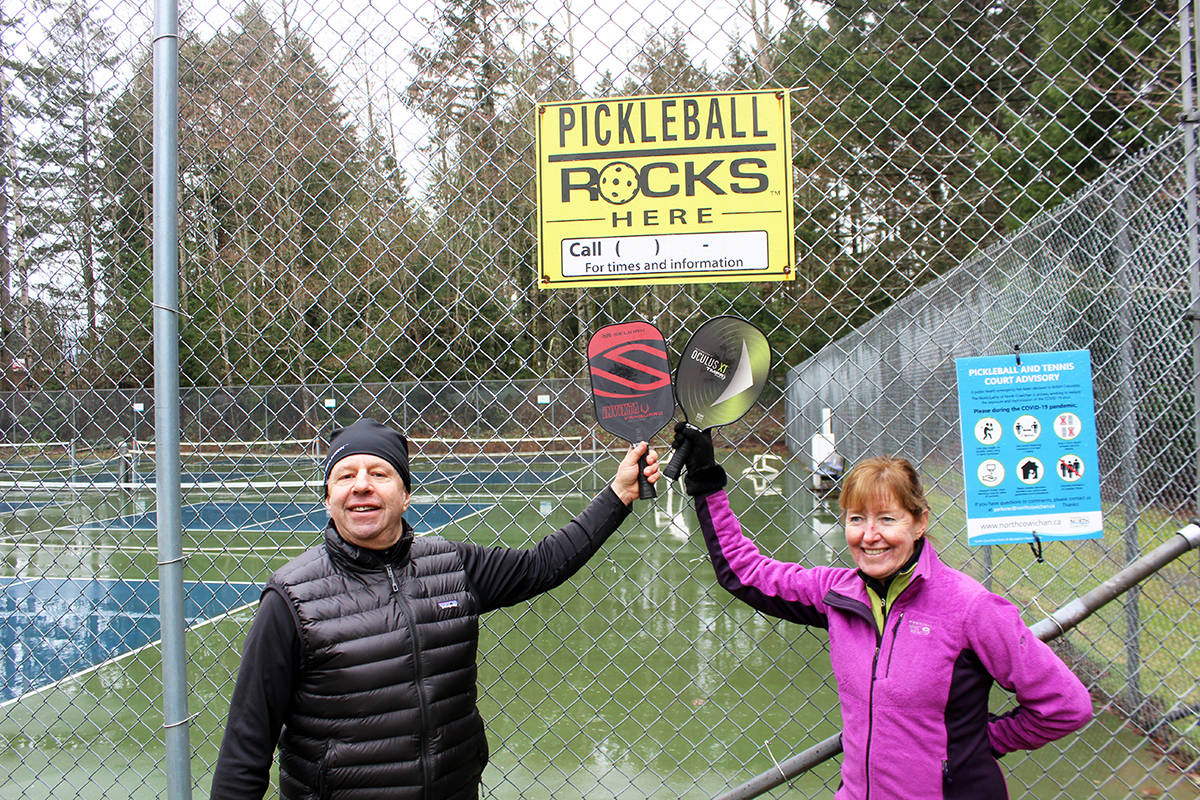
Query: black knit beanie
370	437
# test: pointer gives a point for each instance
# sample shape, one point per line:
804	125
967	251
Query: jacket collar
927	561
364	559
917	565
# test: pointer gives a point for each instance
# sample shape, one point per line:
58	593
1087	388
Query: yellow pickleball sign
687	188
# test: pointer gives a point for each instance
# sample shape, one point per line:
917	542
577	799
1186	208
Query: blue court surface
277	517
51	628
7	506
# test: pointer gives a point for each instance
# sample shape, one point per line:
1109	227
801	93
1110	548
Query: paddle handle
678	459
645	487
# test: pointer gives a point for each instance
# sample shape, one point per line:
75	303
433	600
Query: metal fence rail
356	236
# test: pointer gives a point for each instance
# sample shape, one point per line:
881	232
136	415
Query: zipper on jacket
871	691
418	676
392	578
946	779
862	611
871	715
892	644
323	772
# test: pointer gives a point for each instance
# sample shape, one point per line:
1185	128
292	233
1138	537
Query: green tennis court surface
274	517
633	680
53	628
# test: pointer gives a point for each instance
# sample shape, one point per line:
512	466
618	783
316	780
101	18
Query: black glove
703	474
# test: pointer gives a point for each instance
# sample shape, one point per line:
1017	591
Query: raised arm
780	588
505	576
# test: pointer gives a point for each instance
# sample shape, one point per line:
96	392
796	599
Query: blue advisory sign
1029	447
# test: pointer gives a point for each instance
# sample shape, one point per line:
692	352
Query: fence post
176	722
1189	55
1127	420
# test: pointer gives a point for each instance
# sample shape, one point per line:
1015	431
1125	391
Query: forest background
319	244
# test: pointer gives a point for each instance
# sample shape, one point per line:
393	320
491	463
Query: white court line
148	543
151	547
212	620
76	676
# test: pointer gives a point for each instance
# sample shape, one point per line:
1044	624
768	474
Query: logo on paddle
710	362
627	411
630	369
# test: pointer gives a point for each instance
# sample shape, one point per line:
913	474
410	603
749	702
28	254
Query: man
363	650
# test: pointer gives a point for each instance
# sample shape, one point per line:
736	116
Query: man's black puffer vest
385	699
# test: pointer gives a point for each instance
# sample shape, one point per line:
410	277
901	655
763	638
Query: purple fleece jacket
914	700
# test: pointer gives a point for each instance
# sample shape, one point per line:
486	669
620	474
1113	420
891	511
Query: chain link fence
1106	271
356	237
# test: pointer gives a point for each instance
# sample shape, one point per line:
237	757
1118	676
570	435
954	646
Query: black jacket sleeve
504	577
270	662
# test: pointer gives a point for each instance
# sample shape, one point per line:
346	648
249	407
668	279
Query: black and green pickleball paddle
722	371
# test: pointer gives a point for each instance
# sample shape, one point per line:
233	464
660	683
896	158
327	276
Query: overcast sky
365	44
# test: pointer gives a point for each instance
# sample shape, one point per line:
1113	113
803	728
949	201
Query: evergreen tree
664	66
1105	85
284	213
8	66
127	263
270	165
463	89
61	167
887	181
548	325
370	295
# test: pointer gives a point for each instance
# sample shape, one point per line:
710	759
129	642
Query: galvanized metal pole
1127	439
1190	88
786	770
1189	57
1050	628
1076	611
166	399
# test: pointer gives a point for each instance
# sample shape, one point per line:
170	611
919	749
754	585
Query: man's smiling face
366	499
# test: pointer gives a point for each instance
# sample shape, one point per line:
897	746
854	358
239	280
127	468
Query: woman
915	645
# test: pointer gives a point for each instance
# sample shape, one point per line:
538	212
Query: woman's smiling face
882	536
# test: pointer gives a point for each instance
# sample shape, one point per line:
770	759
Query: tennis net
33	466
438	463
434	461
